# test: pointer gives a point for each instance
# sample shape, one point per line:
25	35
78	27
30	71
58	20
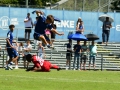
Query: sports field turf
59	80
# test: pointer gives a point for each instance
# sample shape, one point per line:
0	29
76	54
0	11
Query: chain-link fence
77	5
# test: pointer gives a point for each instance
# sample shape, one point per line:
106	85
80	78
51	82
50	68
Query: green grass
59	80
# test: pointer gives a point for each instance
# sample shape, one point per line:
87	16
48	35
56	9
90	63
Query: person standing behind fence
78	22
77	52
106	30
28	25
26	51
41	51
80	28
84	50
68	54
93	53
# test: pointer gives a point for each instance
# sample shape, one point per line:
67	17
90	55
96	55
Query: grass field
59	80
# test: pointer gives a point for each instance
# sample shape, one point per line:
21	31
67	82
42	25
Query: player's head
29	57
28	14
50	19
107	18
11	27
28	42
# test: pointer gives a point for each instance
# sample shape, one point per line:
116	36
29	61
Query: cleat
6	68
10	67
58	69
48	46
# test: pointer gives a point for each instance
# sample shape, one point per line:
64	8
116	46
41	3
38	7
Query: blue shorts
12	52
37	35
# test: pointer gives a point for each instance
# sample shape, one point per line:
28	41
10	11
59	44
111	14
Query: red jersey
38	62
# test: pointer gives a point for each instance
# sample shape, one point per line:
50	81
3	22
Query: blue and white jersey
10	37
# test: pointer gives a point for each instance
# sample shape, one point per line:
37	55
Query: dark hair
21	43
28	57
51	18
11	26
28	13
78	21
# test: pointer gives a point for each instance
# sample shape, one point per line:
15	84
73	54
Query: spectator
41	50
80	28
93	53
106	30
68	54
28	25
84	50
77	51
26	51
78	22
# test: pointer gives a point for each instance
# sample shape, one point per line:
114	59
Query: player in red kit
40	64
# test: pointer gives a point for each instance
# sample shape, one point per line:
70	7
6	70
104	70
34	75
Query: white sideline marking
61	79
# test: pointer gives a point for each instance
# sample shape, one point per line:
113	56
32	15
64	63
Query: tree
115	5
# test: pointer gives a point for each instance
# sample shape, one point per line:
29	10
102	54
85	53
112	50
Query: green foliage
30	2
115	5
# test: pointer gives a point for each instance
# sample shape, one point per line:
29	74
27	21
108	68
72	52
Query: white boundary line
60	79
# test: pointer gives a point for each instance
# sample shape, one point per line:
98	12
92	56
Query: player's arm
30	69
56	32
37	69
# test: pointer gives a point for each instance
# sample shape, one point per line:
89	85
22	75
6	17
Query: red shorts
46	66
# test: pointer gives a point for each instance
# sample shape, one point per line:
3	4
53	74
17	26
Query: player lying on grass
40	65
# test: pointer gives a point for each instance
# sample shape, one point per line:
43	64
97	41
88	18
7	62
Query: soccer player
40	65
11	50
41	25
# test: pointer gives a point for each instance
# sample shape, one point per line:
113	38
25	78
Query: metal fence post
3	59
101	62
70	61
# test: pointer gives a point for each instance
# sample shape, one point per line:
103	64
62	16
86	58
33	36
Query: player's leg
25	34
42	38
29	33
13	58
